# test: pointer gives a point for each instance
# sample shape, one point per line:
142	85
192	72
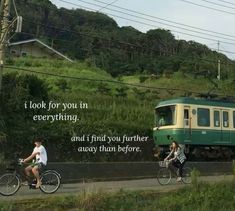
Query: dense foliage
97	38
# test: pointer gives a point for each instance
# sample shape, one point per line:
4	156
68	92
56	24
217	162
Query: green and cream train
205	127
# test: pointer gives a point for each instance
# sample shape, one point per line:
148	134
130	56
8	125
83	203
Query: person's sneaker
39	183
179	179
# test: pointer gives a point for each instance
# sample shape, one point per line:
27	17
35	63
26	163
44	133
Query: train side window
225	119
203	117
216	119
186	117
234	119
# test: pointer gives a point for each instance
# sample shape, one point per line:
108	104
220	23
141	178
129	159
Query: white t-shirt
42	157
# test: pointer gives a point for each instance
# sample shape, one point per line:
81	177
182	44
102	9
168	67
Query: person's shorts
39	165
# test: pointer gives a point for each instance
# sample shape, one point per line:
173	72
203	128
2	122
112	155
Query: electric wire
208	7
99	80
151	25
166	20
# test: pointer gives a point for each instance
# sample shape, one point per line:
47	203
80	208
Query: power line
85	34
47	37
165	24
147	24
109	48
118	41
138	45
221	5
211	8
82	48
155	25
103	38
109	4
227	2
99	80
201	29
231	52
180	57
133	11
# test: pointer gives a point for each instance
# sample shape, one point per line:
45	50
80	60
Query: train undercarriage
200	153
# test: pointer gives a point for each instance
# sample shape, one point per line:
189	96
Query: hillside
89	78
96	38
116	106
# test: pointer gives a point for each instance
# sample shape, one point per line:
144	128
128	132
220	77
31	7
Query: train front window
165	116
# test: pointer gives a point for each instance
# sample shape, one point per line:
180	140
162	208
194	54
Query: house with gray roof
35	48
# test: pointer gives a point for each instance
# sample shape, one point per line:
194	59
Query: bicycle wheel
164	176
186	175
9	184
50	182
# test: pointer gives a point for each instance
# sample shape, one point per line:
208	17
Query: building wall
30	49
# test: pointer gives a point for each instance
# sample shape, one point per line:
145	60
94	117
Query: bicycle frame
18	170
173	169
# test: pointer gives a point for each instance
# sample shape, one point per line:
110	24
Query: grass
185	82
59	67
207	197
177	80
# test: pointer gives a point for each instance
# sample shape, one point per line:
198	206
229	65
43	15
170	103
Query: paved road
141	184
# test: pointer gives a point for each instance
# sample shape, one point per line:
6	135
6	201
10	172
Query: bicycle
165	173
11	182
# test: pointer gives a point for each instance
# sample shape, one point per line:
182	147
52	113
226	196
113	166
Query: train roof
197	101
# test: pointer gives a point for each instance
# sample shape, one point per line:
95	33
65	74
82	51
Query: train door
225	131
221	133
187	124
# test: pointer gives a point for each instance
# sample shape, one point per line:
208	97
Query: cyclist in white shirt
40	154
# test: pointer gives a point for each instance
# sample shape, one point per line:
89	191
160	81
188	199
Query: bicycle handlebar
20	161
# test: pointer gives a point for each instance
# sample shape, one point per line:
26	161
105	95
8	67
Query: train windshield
165	116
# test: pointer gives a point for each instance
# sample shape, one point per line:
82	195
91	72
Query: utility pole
4	28
219	75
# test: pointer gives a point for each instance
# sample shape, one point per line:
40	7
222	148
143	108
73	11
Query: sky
177	11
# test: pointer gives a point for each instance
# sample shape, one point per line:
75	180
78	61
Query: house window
23	54
13	52
203	117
